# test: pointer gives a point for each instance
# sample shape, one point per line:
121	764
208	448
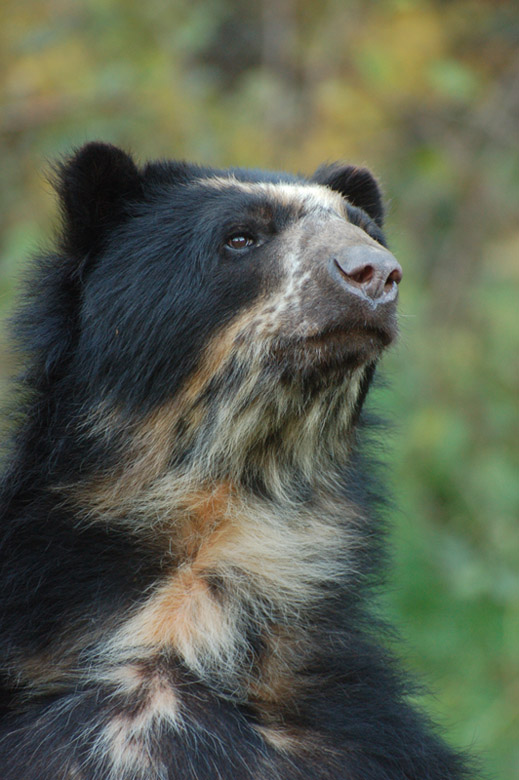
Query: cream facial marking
320	223
309	197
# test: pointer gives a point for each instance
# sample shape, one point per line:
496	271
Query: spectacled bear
190	524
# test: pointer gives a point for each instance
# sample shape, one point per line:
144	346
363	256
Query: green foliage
427	94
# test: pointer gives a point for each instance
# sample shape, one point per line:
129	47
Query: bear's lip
331	351
347	316
362	327
359	335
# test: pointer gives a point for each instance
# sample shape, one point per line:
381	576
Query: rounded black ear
95	187
357	185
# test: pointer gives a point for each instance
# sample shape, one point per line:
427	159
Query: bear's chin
330	355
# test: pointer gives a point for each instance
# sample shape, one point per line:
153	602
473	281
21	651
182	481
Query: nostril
361	275
394	277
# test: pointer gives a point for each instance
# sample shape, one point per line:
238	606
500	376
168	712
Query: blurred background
425	93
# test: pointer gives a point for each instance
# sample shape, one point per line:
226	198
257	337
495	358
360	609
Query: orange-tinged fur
256	556
147	444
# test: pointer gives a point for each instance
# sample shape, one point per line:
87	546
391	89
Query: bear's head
237	311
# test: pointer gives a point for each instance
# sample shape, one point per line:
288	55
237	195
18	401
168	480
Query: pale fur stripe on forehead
313	196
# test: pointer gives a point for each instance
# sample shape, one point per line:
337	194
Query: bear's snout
368	271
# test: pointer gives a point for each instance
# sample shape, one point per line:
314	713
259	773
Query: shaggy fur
190	528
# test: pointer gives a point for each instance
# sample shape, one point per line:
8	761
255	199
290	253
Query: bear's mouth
351	338
334	351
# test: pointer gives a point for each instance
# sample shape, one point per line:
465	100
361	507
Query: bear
192	522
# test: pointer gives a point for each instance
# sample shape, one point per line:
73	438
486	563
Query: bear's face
237	307
287	272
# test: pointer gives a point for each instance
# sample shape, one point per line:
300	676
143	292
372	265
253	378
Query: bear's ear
95	187
357	185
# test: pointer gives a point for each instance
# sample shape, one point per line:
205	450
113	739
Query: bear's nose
369	271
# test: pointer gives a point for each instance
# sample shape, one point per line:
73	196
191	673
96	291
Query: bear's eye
240	241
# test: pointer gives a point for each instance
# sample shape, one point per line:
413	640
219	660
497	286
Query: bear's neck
280	443
240	603
250	520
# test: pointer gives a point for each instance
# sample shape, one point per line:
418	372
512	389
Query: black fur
357	185
111	461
